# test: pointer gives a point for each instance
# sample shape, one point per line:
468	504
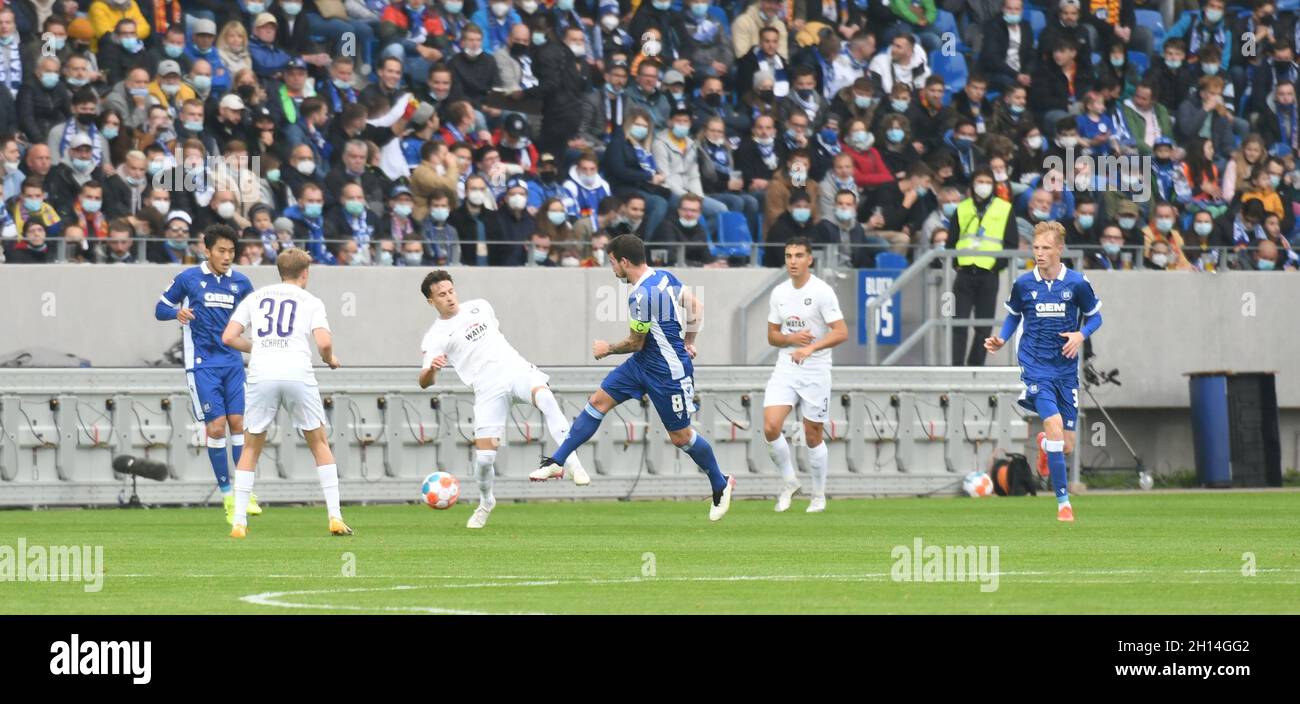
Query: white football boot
480	516
787	493
722	501
817	505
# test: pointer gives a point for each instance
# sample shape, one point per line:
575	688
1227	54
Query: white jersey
813	307
472	341
280	319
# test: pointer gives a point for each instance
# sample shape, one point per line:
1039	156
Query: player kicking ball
468	337
1051	299
805	322
657	308
202	299
284	319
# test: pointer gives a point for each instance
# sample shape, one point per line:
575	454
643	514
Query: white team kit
484	360
807	386
280	319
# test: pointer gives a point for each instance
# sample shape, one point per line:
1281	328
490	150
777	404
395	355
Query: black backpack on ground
1012	476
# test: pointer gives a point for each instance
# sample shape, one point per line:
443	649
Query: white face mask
307	168
517	201
476	198
162	206
579	50
1160	260
569	261
983	190
226	210
609	22
599	256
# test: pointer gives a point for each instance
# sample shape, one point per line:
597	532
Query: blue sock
1056	465
217	454
584	426
236	448
702	452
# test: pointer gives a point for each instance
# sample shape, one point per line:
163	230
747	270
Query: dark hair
629	247
216	232
799	241
609	204
432	279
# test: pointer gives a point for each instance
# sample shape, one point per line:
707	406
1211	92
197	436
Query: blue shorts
1050	397
216	392
673	399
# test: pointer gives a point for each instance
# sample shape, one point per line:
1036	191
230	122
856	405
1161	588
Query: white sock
485	472
1042	445
329	484
779	451
243	490
556	424
818	461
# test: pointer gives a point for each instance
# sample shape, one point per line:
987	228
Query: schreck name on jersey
213	299
1050	310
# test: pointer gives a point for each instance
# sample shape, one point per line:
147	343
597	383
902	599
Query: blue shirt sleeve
171	299
1013	305
1085	297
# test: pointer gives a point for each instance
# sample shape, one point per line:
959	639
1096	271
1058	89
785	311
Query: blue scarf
70	128
645	159
719	155
1201	33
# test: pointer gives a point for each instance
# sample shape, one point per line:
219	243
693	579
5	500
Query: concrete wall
1158	326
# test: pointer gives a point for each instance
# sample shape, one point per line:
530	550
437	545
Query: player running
1051	299
202	299
657	307
805	322
468	337
284	319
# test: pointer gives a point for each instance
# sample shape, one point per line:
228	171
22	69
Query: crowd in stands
1162	133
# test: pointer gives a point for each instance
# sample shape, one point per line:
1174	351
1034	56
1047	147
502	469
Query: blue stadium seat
719	15
946	23
1152	20
1288	5
891	260
734	239
1140	61
953	70
1037	22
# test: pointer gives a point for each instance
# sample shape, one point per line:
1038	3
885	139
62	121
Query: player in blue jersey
664	319
202	298
1051	299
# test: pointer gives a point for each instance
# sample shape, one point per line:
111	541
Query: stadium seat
1140	61
717	14
945	23
1152	20
734	239
891	260
1037	22
953	70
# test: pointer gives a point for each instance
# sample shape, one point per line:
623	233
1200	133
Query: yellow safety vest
984	233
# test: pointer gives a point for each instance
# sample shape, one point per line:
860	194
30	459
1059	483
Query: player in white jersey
467	337
284	319
805	322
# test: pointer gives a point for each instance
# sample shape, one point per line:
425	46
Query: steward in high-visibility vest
983	231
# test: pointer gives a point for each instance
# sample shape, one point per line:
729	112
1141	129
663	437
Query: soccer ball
440	490
977	484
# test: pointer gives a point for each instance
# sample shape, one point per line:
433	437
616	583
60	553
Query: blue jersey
1049	309
213	299
654	307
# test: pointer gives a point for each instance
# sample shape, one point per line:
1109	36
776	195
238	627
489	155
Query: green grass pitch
1149	553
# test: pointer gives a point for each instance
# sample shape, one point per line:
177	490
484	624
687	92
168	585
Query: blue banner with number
889	316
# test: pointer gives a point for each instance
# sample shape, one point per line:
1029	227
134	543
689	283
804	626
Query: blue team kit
661	369
1050	308
215	372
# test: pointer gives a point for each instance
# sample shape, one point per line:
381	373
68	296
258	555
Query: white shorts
302	400
493	398
809	389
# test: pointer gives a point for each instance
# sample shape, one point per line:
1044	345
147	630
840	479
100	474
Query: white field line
275	599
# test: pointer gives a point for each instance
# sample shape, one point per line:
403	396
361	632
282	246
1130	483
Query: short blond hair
1054	229
291	263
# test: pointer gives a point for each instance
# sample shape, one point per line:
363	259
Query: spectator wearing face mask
548	185
586	188
517	225
840	227
1266	257
985	223
713	103
33	248
945	216
1128	218
1163	229
440	246
897	210
1160	257
681	240
1007	53
1082	228
1111	256
66	179
122	49
794	220
793	177
1206	244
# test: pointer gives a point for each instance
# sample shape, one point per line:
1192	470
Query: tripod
1091	378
